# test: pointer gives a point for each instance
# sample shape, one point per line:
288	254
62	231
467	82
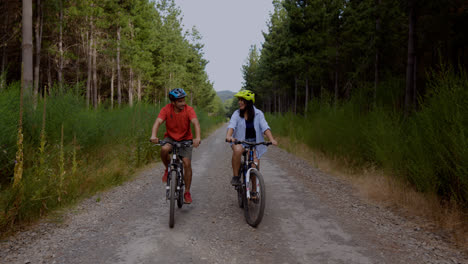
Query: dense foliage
71	152
428	149
316	48
379	82
115	51
80	121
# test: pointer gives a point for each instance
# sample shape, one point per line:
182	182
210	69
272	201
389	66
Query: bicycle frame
246	165
176	163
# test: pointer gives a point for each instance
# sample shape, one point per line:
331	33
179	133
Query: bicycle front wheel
240	192
254	206
180	198
172	197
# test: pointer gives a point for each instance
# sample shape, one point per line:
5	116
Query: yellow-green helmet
246	94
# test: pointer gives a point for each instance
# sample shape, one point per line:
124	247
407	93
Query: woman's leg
236	163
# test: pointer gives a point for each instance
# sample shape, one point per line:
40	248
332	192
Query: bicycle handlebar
237	142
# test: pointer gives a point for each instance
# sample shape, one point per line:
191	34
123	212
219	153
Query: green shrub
428	149
101	148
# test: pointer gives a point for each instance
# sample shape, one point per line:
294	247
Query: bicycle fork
247	181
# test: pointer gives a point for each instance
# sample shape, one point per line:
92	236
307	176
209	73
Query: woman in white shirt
248	124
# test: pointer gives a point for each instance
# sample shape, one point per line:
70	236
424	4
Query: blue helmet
177	93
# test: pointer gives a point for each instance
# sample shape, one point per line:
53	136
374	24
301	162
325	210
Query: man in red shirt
178	117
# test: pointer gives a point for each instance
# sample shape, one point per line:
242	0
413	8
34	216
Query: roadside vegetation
425	153
71	152
80	88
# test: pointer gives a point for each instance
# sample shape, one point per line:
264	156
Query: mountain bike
251	193
175	178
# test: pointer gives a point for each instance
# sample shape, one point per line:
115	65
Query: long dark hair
249	108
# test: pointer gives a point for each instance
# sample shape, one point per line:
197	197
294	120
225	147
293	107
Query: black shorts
185	152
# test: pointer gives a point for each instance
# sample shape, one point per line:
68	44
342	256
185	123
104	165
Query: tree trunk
410	65
95	85
27	47
306	95
112	85
60	71
295	94
139	88
49	73
279	103
170	85
415	90
3	73
4	54
90	64
336	77
119	89
38	52
130	87
377	45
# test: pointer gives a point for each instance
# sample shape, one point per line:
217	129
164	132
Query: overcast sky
228	29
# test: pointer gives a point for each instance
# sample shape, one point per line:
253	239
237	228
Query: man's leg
188	179
236	163
187	173
165	157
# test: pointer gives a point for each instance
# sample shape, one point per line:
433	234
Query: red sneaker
164	178
187	198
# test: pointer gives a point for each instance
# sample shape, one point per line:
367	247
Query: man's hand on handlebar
196	142
155	140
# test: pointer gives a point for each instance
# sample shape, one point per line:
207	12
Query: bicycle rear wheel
172	198
254	206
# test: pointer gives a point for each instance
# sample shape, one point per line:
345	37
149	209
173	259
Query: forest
374	82
81	83
112	52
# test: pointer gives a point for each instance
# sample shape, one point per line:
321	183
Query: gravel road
310	217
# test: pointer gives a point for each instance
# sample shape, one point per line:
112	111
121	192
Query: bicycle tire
253	210
180	198
240	197
173	185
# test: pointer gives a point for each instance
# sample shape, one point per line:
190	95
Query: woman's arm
270	137
229	133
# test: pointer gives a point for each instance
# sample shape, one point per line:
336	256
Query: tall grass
74	153
428	149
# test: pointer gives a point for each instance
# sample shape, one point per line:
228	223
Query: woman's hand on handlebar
230	139
274	142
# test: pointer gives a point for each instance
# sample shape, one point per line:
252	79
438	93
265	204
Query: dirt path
310	217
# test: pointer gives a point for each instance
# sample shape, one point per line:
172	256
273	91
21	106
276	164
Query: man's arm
196	125
154	132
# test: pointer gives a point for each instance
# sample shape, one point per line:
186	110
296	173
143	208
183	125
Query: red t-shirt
177	124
